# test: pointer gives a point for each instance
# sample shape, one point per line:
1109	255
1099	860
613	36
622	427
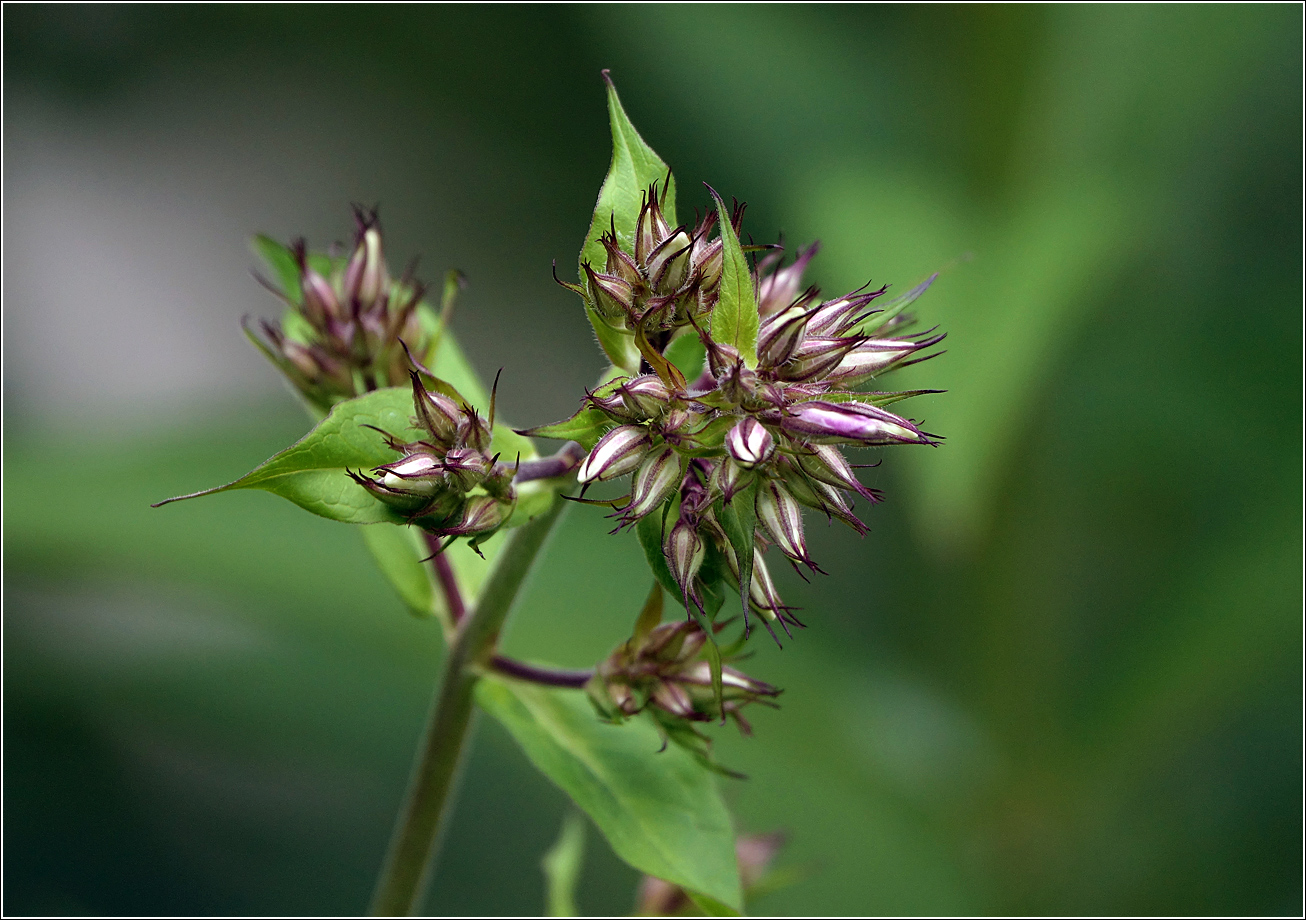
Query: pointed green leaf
661	812
281	262
585	427
650	615
738	518
734	319
311	473
635	166
562	864
619	346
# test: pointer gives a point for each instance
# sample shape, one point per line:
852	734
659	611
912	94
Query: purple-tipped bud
668	265
874	356
684	551
650	230
646	396
778	290
825	463
654	482
781	336
750	443
416	474
709	265
320	301
673	698
832	423
783	519
437	413
467	467
728	477
613	296
761	592
617	453
481	513
621	264
366	278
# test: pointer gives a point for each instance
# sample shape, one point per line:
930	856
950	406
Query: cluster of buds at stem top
772	432
446	483
665	670
345	332
669	278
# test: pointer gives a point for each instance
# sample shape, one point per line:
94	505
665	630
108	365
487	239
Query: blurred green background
1062	674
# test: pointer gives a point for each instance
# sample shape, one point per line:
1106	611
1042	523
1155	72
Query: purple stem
453	596
552	677
564	461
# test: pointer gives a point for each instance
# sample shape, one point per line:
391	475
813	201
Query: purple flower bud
613	296
467	467
684	551
416	474
481	513
621	264
647	396
437	413
674	699
824	463
871	357
781	336
616	454
728	478
855	422
709	264
750	443
668	265
650	229
319	298
783	520
654	482
777	291
366	278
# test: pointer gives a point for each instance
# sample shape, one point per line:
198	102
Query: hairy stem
411	858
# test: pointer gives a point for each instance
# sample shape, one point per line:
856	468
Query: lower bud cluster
666	670
446	483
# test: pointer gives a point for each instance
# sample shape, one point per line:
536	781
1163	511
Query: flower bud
750	443
319	300
783	520
781	335
466	467
650	229
856	422
616	454
874	356
653	483
416	474
613	296
366	278
437	413
668	265
777	291
481	513
824	463
647	396
684	551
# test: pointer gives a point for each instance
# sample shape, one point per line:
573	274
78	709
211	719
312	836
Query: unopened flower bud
856	422
366	278
616	454
777	291
783	520
653	483
750	443
668	265
319	301
481	513
872	357
781	335
647	395
684	551
613	297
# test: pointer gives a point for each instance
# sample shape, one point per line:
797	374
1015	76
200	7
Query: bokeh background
1062	674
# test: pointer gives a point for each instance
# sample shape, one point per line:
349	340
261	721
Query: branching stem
416	839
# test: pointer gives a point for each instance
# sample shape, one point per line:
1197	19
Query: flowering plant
733	393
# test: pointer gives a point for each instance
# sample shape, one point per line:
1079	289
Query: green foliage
562	865
585	427
734	319
687	353
661	812
738	518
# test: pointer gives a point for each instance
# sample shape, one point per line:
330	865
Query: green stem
409	864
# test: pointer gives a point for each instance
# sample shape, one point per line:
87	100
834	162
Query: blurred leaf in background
1063	673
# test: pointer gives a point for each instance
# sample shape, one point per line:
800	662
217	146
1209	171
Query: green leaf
399	552
281	262
738	518
311	473
585	427
687	353
635	166
734	319
661	811
562	864
649	531
619	346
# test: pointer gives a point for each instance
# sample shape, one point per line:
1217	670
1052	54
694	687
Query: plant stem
410	861
447	578
551	677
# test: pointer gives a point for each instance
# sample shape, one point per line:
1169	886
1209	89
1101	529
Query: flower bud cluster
446	483
667	670
666	280
345	333
774	431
